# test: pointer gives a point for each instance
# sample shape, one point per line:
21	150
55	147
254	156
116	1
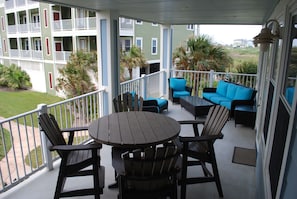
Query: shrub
14	77
247	67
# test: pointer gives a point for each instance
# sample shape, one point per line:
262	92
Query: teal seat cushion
219	99
222	88
209	95
243	93
231	90
226	104
177	94
161	102
177	84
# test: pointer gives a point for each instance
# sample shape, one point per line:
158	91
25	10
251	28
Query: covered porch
238	181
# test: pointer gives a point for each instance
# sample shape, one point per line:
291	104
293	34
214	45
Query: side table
245	115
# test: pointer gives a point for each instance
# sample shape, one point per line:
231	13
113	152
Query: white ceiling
250	12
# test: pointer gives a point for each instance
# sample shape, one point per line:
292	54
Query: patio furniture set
238	99
146	148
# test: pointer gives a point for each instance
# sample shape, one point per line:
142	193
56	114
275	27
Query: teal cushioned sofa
230	95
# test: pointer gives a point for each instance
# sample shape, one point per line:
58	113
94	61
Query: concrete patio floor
238	181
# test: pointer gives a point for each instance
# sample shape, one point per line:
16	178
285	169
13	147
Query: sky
225	34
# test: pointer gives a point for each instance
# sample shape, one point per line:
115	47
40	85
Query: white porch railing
21	132
28	152
146	86
62	55
62	25
201	79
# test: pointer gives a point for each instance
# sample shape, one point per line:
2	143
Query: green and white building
40	37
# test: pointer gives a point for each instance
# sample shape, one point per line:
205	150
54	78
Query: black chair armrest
194	124
71	132
76	147
201	138
235	103
209	90
188	88
73	129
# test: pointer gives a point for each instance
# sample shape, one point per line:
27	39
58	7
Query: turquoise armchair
178	88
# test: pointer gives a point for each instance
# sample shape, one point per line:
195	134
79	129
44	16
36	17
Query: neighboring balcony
126	27
88	23
24	28
26	54
62	55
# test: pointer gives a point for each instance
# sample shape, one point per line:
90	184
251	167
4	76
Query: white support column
165	56
108	57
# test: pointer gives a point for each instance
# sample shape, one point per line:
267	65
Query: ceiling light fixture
268	34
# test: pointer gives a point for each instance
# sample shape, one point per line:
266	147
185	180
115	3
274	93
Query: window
190	27
127	45
290	81
45	18
126	21
4	45
35	20
154	46
47	46
2	23
139	42
25	44
139	22
37	44
50	80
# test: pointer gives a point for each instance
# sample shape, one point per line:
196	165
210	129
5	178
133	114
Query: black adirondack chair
199	149
149	173
74	158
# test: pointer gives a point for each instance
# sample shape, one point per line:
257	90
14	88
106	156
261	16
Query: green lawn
17	102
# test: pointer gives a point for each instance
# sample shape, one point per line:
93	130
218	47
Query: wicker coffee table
195	105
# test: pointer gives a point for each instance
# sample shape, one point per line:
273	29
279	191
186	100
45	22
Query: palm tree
201	54
75	77
132	59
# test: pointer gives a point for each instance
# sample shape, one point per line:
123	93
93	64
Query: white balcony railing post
211	78
45	142
143	91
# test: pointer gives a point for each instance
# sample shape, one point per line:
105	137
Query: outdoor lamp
267	35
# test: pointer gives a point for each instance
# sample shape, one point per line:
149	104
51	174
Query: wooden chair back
150	173
126	102
151	161
215	120
52	131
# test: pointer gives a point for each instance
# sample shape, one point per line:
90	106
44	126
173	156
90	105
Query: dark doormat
244	156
